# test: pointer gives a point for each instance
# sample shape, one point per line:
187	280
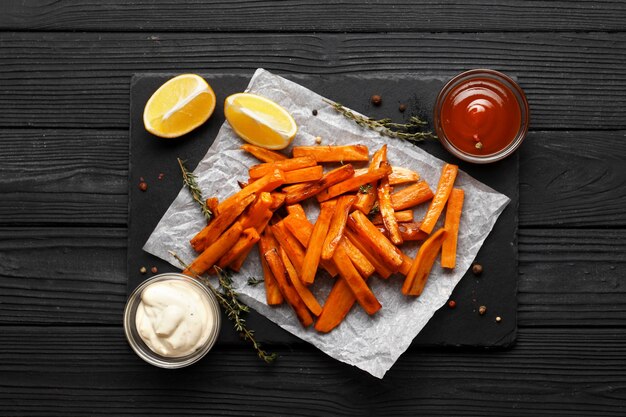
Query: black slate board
152	158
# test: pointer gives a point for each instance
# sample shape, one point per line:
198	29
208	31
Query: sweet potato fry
409	231
379	266
247	239
206	236
402	216
367	197
387	212
363	294
260	206
261	170
213	253
453	220
379	245
266	183
304	175
296	210
273	295
302	229
290	244
309	299
415	280
411	196
263	154
259	226
407	262
359	260
212	204
401	175
314	248
337	225
337	305
333	153
278	199
300	192
289	293
444	188
353	184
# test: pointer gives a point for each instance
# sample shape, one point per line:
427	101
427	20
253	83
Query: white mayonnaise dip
174	318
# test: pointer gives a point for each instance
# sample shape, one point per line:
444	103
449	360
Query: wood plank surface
80	177
61	371
573	80
568	277
318	16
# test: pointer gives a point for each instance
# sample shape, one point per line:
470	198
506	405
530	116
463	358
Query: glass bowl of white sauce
171	320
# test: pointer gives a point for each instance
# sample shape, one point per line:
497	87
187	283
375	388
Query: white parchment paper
370	343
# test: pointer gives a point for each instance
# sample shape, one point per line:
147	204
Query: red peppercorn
376	100
402	108
452	304
143	186
161	175
477	269
154	270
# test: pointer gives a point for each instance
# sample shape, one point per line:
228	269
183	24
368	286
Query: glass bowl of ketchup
481	116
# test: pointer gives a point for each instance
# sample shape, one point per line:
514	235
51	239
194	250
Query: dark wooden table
65	70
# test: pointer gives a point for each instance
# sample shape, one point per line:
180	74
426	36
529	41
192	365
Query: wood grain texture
573	80
78	276
80	177
87	371
61	177
319	16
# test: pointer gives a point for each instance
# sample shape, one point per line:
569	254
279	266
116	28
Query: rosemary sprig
189	179
365	189
235	310
252	281
410	131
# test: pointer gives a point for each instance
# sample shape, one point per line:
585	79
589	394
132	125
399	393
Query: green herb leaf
189	179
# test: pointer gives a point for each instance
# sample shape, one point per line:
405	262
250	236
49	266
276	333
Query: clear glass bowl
140	347
482	74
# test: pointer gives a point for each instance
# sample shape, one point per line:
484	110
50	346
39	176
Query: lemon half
179	106
260	121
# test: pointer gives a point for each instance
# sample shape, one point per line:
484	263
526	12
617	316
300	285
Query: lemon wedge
179	106
260	121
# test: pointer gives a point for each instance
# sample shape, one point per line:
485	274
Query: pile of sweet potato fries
359	231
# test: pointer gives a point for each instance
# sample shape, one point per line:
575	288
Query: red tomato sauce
481	116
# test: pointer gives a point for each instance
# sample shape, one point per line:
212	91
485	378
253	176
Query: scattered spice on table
161	176
498	319
482	310
376	100
143	270
452	304
477	269
402	108
314	112
143	186
154	270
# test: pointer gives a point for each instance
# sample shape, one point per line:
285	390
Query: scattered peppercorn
161	175
479	145
477	269
314	112
482	310
143	186
143	270
318	139
402	108
154	270
452	304
376	100
498	319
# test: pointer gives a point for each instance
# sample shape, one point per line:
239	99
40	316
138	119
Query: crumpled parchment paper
370	343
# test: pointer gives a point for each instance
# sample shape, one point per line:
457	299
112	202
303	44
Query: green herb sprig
189	179
365	189
410	131
235	309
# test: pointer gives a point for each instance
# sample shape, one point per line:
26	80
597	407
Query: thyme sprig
365	189
189	179
252	281
235	309
410	131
